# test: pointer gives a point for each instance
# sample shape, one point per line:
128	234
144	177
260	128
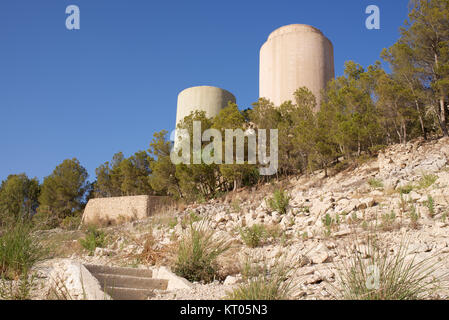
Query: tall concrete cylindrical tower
202	98
295	56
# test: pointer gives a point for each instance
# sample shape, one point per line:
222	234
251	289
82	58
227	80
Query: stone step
143	273
124	281
120	293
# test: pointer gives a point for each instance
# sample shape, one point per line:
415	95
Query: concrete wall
202	98
295	56
110	211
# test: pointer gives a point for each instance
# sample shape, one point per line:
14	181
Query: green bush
197	253
45	220
279	202
330	223
426	181
94	239
263	283
388	221
17	290
172	222
253	236
414	217
406	189
190	218
341	166
18	250
375	183
235	205
387	276
430	204
71	222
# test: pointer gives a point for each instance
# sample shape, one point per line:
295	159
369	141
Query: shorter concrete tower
202	98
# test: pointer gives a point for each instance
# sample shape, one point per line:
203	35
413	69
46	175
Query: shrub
71	222
253	236
94	239
365	225
341	166
387	276
197	253
235	205
172	223
414	217
263	283
353	218
330	223
426	181
375	183
406	189
192	217
430	204
388	221
18	250
44	220
377	148
17	290
279	202
150	254
274	231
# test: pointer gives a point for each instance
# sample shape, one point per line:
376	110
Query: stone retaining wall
110	211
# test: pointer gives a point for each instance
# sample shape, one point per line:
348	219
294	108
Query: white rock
103	252
275	217
351	205
76	281
319	207
319	255
325	274
366	203
261	215
303	260
443	178
413	196
220	218
231	280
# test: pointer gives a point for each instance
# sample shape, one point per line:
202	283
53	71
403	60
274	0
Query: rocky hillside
402	195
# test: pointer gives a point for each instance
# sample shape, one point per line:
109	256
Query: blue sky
109	86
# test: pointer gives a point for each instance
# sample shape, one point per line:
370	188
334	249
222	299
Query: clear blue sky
109	86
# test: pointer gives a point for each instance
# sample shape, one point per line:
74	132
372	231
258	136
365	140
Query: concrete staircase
127	283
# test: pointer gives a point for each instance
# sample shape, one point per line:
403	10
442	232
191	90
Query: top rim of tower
290	28
205	87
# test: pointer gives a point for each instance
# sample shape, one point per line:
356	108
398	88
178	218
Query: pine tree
18	197
64	191
426	39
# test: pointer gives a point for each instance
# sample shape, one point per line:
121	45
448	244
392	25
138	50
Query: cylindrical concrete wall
295	56
202	98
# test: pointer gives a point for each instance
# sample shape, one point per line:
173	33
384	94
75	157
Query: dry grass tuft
262	282
377	272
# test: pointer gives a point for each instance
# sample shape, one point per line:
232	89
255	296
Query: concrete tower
203	98
295	56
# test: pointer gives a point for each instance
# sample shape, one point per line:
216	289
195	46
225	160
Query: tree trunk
404	132
421	121
418	109
325	169
442	113
443	121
